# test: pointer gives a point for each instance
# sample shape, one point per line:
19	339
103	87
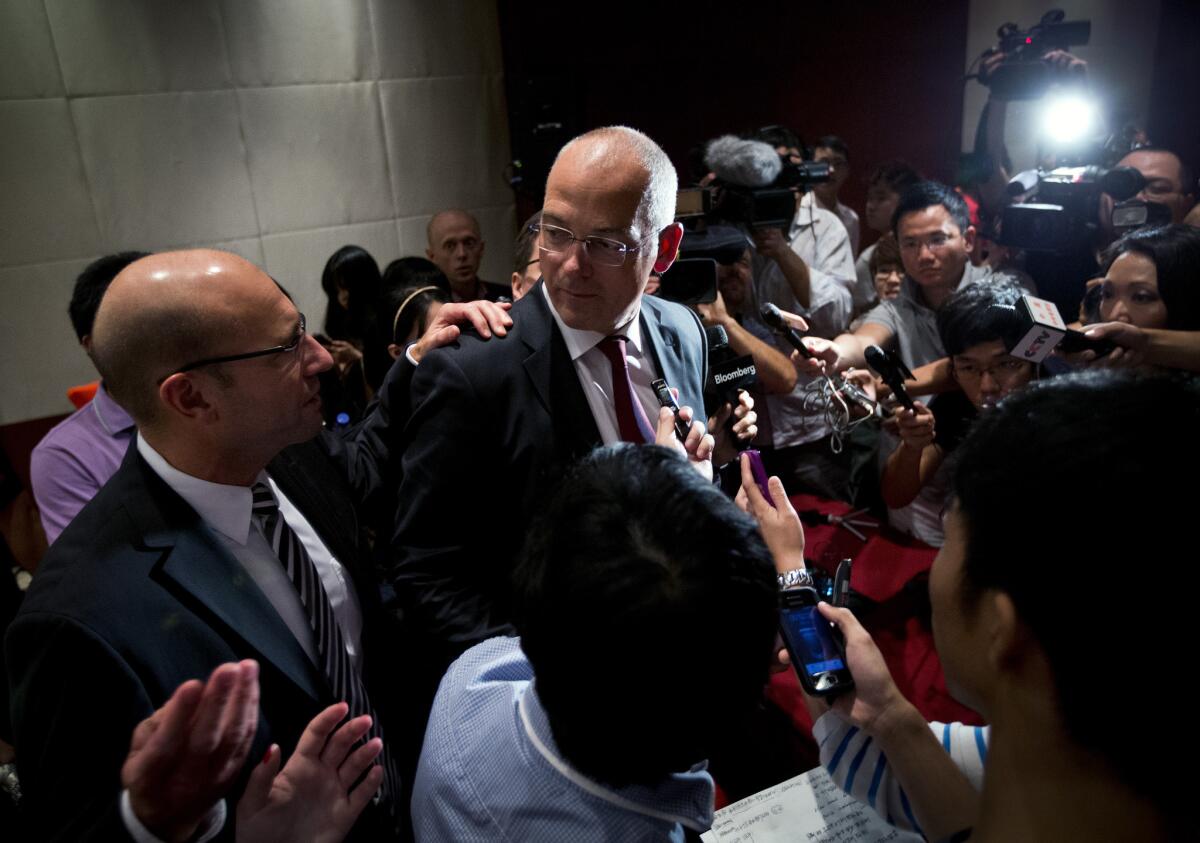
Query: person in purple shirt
82	451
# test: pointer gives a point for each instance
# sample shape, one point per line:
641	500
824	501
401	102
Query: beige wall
277	129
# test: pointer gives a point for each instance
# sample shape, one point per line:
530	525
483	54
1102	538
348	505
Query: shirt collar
112	416
687	795
225	509
580	342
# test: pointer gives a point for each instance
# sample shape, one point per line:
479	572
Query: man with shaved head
494	425
224	535
456	246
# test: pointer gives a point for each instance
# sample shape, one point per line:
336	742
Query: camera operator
1169	182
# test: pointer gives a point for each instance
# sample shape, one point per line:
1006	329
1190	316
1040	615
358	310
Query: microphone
773	316
892	371
1036	328
747	163
727	371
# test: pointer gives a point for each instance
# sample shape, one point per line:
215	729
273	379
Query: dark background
886	77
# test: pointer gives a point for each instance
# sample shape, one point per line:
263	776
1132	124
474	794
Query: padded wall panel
45	211
42	357
28	64
296	260
416	38
166	169
288	42
316	155
447	142
139	46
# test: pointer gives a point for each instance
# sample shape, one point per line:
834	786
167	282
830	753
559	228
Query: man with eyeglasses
225	535
935	235
494	424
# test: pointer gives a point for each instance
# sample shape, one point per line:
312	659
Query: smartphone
760	473
666	399
817	656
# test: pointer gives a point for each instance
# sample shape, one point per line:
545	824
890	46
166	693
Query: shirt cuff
212	823
408	354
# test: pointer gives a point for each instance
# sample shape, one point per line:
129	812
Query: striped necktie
344	680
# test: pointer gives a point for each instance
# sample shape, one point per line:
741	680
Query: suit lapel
204	575
552	374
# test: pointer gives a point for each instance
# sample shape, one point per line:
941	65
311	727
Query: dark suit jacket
138	596
494	423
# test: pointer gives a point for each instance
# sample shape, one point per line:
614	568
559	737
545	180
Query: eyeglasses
600	250
1001	371
229	358
934	241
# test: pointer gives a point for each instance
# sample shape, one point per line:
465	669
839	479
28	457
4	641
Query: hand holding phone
817	655
666	399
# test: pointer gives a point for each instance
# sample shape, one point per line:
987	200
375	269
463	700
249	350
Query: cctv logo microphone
1036	328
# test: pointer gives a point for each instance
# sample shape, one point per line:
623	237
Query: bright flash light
1067	119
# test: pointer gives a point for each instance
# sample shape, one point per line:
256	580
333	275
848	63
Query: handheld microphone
892	371
774	319
1036	328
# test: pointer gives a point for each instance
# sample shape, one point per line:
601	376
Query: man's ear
668	247
182	395
1008	637
429	253
969	237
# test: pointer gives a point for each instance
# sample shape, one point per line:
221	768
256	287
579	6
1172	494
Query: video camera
1059	209
754	185
1022	75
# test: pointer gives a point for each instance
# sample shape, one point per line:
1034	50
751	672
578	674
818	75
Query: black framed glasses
230	358
601	250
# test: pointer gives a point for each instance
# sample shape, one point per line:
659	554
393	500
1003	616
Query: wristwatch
795	578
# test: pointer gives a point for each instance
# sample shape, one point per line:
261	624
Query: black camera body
1023	75
1060	208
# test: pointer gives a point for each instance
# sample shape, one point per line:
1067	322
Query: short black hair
833	142
896	176
90	286
777	136
926	194
413	271
523	248
1175	251
638	581
1187	175
978	313
1093	569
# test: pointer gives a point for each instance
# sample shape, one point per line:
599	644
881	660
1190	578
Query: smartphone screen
815	654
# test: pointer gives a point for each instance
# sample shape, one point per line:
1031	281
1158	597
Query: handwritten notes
809	808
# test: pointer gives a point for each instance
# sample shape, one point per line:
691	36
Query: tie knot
262	500
614	348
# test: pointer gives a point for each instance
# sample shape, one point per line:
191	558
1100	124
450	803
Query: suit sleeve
440	562
369	453
75	703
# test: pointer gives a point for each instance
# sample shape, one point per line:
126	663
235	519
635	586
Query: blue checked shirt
490	769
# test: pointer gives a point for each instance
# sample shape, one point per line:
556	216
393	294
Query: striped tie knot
263	503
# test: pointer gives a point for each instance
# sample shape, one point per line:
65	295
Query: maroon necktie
631	416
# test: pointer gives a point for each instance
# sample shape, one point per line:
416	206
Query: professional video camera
1022	75
754	186
1059	209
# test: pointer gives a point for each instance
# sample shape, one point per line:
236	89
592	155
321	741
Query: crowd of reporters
636	552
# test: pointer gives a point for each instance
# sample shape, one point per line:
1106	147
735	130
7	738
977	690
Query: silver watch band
795	577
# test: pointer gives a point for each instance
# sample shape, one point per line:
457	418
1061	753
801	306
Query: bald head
635	162
167	310
456	246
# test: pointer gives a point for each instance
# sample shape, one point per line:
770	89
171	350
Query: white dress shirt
595	372
227	512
